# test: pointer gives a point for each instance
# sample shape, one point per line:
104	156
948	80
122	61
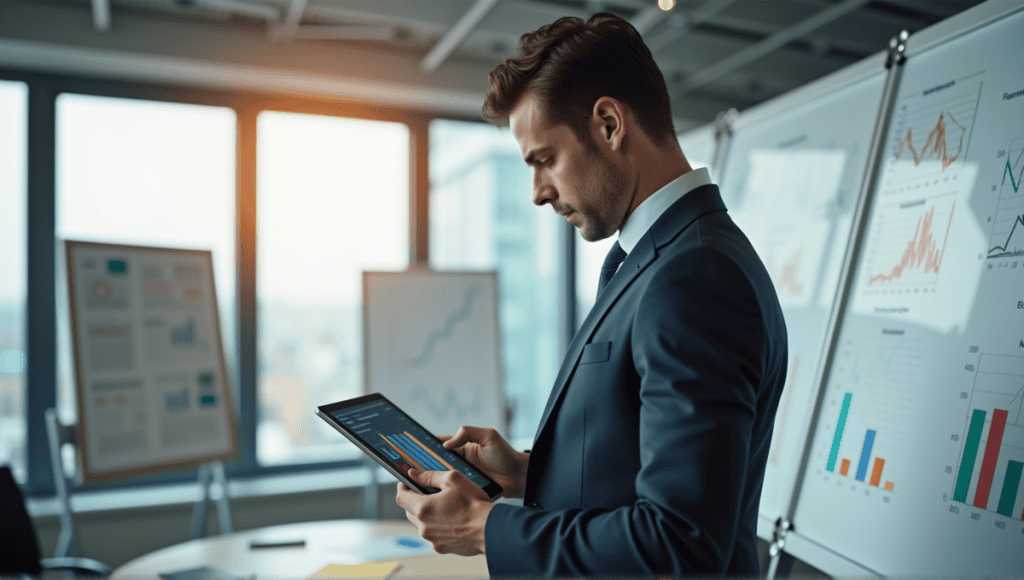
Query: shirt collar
648	212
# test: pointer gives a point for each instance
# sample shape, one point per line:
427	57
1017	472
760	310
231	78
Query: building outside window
13	251
332	201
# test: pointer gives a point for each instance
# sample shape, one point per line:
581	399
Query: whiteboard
792	179
151	380
915	464
432	346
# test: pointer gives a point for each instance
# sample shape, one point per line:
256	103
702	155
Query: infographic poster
151	381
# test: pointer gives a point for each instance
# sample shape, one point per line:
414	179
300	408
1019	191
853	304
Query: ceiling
715	54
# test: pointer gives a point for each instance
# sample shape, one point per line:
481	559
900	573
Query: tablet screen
398	438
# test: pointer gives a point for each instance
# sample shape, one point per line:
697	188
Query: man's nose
542	192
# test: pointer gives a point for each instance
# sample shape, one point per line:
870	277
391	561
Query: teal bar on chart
834	455
1010	484
963	479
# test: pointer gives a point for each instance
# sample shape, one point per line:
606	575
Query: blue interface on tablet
402	441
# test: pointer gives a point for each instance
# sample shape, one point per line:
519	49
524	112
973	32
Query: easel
64	555
211	478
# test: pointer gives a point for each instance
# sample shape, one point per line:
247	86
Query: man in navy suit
650	454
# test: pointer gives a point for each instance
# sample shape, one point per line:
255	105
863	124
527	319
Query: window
482	218
13	251
146	173
332	201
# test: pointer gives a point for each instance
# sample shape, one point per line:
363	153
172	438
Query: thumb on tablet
465	435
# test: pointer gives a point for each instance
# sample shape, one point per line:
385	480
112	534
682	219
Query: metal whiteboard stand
64	555
781	563
211	475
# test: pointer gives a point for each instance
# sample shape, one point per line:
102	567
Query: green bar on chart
963	480
1010	484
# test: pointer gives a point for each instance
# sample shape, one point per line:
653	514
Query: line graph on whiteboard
909	243
444	331
1007	239
931	135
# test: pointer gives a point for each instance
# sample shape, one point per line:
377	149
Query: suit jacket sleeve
698	346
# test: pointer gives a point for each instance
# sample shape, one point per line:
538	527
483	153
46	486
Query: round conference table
324	543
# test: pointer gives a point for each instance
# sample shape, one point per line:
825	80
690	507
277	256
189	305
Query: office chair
19	548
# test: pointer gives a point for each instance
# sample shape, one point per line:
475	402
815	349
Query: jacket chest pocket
596	352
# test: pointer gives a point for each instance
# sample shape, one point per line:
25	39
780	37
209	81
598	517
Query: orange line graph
787	278
936	142
921	251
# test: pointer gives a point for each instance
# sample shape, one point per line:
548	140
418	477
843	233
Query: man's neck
656	168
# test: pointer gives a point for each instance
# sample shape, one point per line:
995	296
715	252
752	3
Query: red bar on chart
876	473
988	463
845	467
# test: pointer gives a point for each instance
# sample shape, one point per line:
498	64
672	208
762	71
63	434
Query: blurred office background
304	142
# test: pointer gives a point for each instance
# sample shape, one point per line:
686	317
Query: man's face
579	182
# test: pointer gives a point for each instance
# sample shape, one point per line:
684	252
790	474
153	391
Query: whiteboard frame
85	473
492	276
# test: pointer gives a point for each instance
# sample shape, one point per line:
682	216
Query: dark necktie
611	263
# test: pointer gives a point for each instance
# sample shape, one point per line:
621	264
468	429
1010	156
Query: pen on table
264	544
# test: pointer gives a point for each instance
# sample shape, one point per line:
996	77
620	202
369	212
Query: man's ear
609	122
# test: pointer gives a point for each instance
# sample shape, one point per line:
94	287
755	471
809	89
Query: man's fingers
432	478
465	435
424	478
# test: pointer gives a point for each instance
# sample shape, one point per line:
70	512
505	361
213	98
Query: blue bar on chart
865	455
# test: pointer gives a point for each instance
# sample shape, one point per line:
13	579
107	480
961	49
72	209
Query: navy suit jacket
651	452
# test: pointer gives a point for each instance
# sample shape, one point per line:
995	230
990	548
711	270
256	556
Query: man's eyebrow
531	157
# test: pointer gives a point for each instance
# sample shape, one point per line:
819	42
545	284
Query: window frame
40	315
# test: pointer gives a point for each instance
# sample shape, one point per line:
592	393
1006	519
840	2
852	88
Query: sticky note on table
378	570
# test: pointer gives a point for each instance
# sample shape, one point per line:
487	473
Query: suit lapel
675	219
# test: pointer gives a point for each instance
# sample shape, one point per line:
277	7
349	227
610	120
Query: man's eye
547	162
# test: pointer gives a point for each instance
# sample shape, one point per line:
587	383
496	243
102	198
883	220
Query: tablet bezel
325	412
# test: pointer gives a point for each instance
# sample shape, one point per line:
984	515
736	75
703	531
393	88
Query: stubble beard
609	186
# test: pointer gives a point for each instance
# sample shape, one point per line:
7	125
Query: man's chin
591	234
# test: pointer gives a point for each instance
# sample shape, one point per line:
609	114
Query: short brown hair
571	63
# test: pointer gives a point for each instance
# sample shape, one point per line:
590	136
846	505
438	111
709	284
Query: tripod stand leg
203	477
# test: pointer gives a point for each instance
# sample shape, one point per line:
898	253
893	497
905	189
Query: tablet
397	442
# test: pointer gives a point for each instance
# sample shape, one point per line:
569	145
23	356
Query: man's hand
488	451
452	520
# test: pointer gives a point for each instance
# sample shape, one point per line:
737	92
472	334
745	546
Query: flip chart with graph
792	182
919	440
151	380
431	346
